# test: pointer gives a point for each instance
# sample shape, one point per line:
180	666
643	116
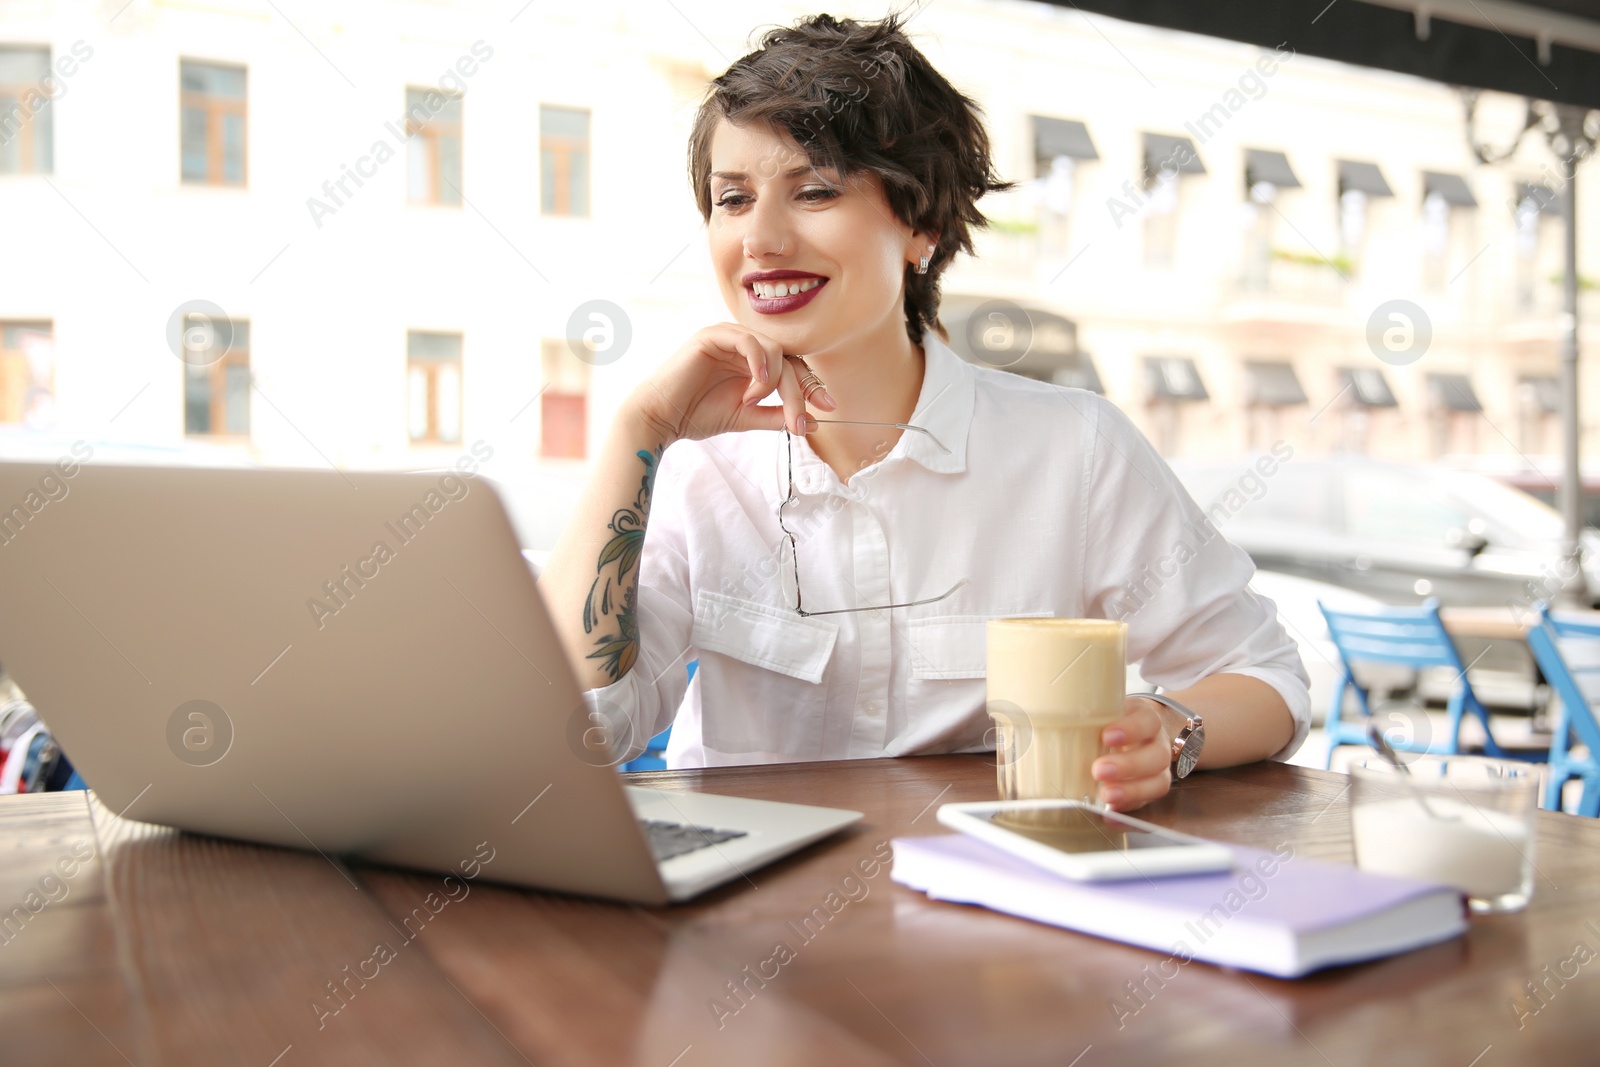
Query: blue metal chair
1568	652
1409	637
654	756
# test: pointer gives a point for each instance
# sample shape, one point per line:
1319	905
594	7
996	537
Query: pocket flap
763	635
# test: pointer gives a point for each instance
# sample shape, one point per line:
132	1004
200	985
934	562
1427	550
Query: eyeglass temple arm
899	425
908	604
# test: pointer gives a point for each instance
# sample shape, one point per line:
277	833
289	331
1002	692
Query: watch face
1191	752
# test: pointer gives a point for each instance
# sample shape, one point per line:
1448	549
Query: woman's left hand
1137	766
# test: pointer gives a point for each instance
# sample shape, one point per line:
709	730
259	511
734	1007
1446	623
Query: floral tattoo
618	651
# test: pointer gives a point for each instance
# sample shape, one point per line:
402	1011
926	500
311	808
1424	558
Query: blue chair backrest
1569	655
1582	624
1414	637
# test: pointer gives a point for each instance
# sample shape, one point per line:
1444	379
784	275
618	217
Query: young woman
831	561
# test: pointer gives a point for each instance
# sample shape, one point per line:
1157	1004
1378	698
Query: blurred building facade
364	234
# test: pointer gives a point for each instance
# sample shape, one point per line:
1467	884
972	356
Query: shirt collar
944	408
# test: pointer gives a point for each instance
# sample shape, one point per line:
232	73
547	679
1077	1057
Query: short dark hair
859	96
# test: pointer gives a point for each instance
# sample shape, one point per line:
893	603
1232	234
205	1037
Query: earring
922	268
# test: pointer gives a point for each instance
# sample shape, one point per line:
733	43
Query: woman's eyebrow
739	175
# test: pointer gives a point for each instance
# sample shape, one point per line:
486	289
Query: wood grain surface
125	943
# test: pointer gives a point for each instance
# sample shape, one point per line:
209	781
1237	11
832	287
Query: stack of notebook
1275	912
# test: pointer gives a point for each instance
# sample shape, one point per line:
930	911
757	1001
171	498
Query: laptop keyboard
669	839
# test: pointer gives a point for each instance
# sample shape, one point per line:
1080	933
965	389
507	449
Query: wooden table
1497	624
172	949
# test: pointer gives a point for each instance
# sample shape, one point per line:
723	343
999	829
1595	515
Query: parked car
1539	477
1396	532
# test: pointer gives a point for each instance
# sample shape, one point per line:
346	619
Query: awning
1173	378
1453	187
1542	394
1362	177
1173	153
1263	166
1272	383
1368	387
1061	137
1545	199
1010	336
1546	49
1453	392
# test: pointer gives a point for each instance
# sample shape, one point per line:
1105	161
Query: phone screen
1076	830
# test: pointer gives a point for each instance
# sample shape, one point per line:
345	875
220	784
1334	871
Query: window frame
217	390
431	133
15	356
429	367
564	149
216	110
27	135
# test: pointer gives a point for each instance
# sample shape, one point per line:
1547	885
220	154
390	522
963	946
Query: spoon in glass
1376	739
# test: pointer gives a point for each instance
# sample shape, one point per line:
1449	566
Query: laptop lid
356	662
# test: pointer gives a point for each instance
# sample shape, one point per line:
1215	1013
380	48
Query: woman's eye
813	196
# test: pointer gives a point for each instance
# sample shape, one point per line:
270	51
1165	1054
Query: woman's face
771	211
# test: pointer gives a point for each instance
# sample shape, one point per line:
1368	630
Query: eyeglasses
793	562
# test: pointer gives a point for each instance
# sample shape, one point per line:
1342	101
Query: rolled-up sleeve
648	695
1153	559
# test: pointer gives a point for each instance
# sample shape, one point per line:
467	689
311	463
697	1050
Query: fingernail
828	399
761	372
806	425
1115	737
1111	794
1104	771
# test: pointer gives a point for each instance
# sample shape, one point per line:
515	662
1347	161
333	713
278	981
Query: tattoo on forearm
617	651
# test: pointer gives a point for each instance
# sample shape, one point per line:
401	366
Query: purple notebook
1275	912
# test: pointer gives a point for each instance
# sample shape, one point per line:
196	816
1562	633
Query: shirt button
872	708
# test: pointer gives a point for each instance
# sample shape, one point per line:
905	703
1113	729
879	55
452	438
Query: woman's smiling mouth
781	295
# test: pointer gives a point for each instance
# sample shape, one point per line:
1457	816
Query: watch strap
1189	738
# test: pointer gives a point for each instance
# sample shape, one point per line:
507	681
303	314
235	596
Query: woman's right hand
714	383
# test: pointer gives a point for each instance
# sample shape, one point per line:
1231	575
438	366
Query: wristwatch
1190	740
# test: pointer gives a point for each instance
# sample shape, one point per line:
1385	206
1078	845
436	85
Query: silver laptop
356	663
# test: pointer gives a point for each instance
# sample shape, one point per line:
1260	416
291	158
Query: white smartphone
1084	841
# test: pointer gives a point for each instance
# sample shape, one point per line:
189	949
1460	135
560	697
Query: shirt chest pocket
779	708
948	647
762	635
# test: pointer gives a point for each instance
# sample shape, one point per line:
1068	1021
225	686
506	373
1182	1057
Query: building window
1538	413
213	123
433	149
1060	146
27	118
1166	160
1534	204
433	377
1270	387
27	372
1266	174
1360	393
1453	413
564	403
1444	236
1358	183
1171	384
216	378
564	161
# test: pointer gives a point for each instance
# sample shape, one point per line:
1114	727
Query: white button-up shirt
1048	502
